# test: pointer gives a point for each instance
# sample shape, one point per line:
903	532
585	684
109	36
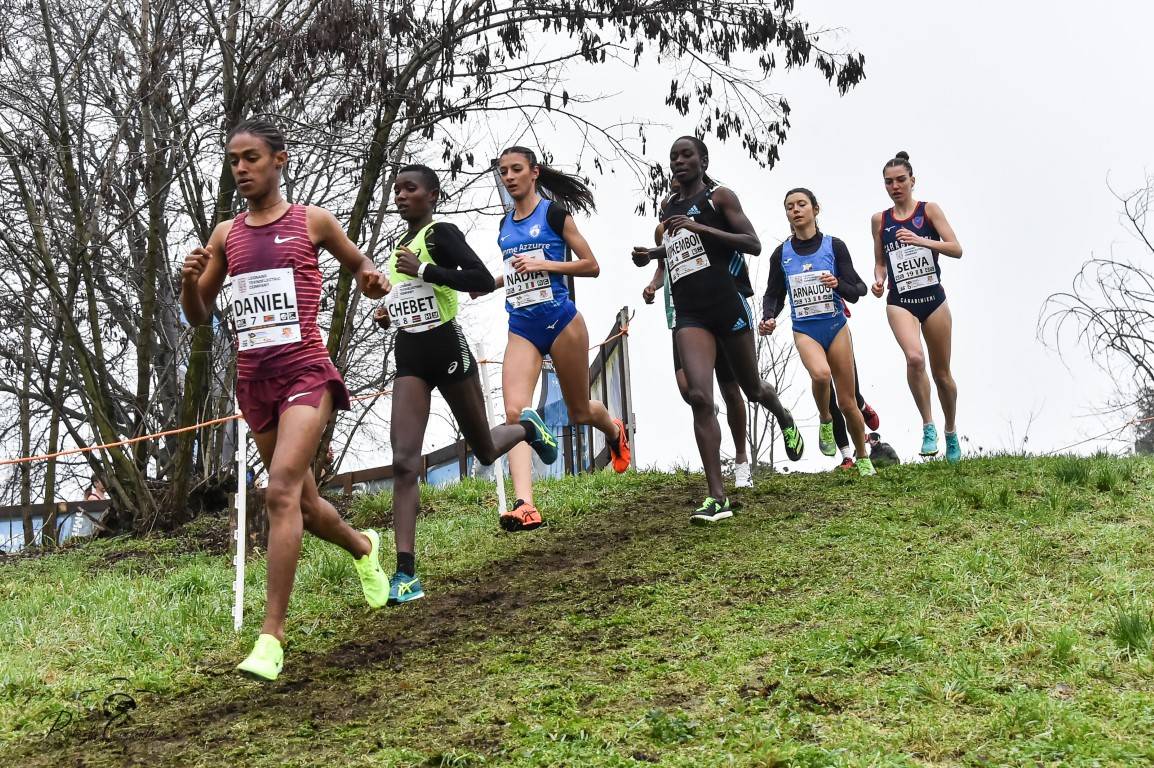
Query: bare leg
412	398
908	331
467	402
288	452
698	351
938	330
735	415
821	380
742	356
570	353
841	364
519	373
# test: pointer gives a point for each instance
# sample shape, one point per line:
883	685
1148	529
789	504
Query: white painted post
499	465
241	520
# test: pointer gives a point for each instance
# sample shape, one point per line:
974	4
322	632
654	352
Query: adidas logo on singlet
694	211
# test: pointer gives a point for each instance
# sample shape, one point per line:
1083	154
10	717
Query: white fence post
241	520
499	464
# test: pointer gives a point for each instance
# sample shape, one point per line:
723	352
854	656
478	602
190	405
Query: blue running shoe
929	440
953	448
404	588
543	441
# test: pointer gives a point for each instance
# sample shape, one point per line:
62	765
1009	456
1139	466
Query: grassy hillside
994	613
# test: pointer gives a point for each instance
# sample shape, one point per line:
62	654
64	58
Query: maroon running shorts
262	401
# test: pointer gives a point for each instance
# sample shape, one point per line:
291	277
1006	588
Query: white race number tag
413	306
264	308
684	254
913	268
529	288
809	296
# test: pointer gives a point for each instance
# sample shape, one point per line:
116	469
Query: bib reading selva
809	296
684	254
264	308
913	267
528	288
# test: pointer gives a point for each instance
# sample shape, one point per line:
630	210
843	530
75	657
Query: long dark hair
570	191
901	159
702	150
269	133
803	191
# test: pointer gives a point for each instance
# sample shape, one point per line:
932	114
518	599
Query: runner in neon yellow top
432	263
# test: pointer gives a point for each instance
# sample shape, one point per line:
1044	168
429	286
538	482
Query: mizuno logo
290	398
554	325
890	229
278	239
503	238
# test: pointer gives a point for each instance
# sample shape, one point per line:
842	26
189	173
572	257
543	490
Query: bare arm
879	257
742	238
948	245
326	231
585	265
202	276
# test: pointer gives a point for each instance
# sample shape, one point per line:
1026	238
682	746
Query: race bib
529	288
264	309
413	306
913	267
811	298
684	254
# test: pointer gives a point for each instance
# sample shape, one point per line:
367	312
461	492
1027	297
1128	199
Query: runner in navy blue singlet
909	238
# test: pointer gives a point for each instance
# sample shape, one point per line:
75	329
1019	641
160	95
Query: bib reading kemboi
264	309
684	254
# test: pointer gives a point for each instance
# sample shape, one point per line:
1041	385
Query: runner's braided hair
569	190
901	159
264	130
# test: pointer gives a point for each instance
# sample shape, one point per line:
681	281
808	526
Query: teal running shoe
825	439
374	582
543	441
791	435
711	511
953	448
266	660
404	588
929	440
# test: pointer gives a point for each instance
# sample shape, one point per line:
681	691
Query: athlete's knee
943	378
699	398
847	404
280	497
486	454
916	361
731	394
406	465
512	415
822	377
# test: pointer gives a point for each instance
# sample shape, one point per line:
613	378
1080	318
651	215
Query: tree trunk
26	428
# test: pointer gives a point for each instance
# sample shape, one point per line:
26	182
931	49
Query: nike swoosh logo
290	398
278	239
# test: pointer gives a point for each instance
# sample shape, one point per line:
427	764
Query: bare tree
776	358
1109	308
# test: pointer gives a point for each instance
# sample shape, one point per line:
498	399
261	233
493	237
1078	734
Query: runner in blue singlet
817	273
908	239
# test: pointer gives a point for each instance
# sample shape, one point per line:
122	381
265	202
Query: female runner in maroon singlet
287	386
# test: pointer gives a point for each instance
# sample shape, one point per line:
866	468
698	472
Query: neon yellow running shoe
865	467
374	582
266	660
825	439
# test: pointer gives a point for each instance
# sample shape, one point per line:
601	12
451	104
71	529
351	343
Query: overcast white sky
1015	115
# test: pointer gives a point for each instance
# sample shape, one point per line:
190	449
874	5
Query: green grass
1000	612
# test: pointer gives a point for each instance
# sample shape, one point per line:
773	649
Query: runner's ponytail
570	191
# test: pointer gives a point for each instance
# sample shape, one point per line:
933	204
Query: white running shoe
742	477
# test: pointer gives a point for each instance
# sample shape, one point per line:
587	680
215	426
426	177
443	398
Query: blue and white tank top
532	294
809	298
913	270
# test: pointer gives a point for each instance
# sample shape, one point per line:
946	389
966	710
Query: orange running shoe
522	517
620	451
